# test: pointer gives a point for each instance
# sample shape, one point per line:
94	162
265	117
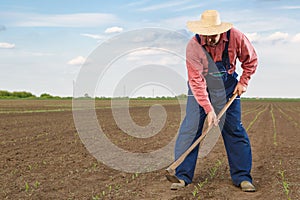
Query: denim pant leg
190	130
237	145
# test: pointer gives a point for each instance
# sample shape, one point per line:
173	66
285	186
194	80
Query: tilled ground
42	156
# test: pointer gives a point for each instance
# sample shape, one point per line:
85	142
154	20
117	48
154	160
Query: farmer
211	84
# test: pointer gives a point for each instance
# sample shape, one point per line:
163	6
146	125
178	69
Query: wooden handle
176	163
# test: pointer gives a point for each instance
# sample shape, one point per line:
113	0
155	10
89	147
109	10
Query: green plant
117	186
285	183
212	173
289	118
95	197
195	191
255	118
213	170
134	176
94	165
37	184
198	187
26	187
274	126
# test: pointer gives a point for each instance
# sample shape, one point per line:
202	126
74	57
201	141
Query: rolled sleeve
248	58
197	63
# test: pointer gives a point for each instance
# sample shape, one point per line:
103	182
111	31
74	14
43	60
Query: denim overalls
220	86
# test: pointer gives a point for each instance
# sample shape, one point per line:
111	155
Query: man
211	84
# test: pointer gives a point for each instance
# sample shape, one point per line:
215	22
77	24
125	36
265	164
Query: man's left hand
240	89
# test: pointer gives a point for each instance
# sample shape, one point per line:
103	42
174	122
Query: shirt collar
223	38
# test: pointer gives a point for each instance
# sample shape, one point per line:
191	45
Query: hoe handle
176	163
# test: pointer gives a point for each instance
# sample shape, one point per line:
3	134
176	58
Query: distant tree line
22	94
28	95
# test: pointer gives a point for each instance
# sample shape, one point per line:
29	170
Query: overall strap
199	41
225	56
198	38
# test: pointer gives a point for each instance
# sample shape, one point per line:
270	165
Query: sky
45	45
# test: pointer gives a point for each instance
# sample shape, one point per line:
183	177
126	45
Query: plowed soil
42	156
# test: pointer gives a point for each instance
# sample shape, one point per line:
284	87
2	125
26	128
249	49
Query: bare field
42	156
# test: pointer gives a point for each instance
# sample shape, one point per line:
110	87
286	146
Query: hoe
170	171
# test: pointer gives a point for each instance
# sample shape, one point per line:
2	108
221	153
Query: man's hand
212	118
240	89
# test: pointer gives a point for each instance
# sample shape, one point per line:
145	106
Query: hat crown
209	24
210	18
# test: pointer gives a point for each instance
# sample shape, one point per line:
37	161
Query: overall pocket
216	76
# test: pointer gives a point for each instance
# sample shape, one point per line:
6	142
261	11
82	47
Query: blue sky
43	44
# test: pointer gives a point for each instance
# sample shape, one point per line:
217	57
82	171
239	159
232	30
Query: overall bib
220	86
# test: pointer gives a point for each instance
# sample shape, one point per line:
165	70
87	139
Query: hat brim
198	27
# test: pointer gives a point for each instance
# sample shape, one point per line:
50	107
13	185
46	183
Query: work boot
176	186
246	186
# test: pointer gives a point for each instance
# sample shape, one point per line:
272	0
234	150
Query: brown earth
42	156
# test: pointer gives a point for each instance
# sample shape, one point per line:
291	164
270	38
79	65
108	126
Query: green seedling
195	191
117	187
255	118
95	197
26	187
198	187
274	126
289	118
212	171
134	176
37	184
94	165
285	184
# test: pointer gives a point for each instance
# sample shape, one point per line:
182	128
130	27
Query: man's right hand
212	118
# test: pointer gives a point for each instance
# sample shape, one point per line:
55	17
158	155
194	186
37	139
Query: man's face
212	40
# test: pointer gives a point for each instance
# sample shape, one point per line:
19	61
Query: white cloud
153	56
162	5
277	36
141	54
38	54
100	37
79	60
176	22
274	37
188	8
296	38
94	36
59	20
253	37
137	3
5	45
289	7
114	29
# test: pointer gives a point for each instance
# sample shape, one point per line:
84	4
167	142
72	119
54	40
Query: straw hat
209	24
